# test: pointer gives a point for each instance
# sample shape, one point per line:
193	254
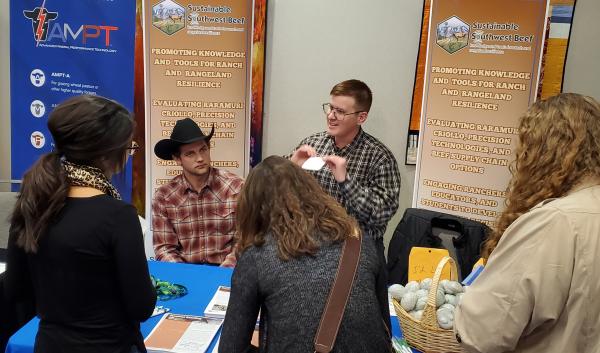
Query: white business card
313	163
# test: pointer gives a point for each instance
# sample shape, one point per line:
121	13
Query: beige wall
4	97
582	74
311	45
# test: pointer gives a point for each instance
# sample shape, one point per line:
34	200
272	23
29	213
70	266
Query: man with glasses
362	174
193	216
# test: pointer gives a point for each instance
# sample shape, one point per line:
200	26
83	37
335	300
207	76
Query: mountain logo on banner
168	16
452	34
38	140
38	109
37	77
40	19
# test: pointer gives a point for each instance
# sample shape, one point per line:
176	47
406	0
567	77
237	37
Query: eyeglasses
134	147
337	113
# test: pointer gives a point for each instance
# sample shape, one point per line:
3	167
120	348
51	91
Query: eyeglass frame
131	150
335	111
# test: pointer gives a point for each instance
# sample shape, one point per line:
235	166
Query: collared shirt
371	190
196	226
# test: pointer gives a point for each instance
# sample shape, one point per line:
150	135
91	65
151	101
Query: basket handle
429	313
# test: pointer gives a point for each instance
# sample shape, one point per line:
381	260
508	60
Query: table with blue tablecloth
201	281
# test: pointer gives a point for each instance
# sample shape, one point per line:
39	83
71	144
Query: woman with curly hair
540	290
290	236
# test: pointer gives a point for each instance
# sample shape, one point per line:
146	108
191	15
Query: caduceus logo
40	18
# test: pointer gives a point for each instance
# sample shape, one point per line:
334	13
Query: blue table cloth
201	282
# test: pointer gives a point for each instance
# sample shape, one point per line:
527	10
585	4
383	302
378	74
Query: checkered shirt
196	227
371	190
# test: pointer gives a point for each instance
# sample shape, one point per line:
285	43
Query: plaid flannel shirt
196	227
371	190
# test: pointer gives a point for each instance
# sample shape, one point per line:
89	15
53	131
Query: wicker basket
426	335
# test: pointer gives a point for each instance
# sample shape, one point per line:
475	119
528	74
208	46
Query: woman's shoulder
586	200
328	250
102	209
102	201
258	253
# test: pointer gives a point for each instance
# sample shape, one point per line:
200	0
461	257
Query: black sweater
89	277
292	294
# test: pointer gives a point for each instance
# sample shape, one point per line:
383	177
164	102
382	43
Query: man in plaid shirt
361	174
193	216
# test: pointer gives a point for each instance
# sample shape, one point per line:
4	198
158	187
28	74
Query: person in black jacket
73	244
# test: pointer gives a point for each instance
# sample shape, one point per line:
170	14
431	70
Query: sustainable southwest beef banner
482	71
198	66
60	49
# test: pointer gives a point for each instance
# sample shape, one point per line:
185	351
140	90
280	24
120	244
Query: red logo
40	18
44	31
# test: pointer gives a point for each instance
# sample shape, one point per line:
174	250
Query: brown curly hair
559	147
281	199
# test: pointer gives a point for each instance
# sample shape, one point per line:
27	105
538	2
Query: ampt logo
44	31
40	18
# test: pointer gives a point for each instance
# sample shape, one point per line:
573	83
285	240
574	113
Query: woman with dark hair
540	291
290	234
74	245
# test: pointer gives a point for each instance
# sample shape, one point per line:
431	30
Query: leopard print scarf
83	175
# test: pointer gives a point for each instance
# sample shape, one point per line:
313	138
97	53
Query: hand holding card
313	163
302	154
338	166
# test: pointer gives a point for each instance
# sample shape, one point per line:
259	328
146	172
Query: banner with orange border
198	66
482	71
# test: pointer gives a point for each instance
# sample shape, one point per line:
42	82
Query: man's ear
362	117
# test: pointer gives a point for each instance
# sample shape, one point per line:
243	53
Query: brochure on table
217	307
176	333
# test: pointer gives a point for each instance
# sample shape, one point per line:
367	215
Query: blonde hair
559	146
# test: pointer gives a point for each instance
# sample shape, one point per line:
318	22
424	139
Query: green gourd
450	299
422	293
448	306
452	287
412	286
421	301
425	284
397	291
440	298
445	318
409	300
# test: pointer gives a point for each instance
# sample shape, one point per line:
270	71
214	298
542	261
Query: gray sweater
291	296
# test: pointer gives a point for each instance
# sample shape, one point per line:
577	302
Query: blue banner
60	49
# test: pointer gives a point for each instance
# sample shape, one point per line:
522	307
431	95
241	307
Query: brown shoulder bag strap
338	296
